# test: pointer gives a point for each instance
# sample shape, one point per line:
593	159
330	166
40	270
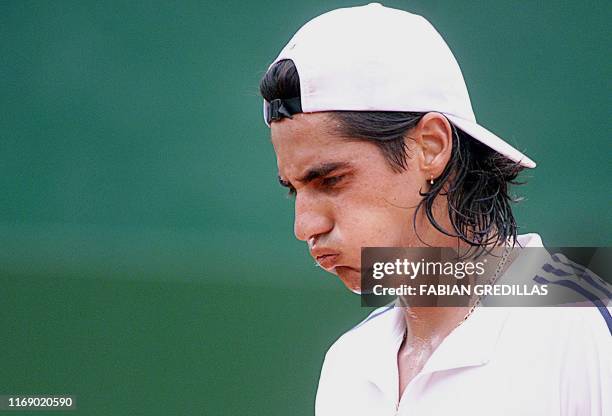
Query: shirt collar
470	344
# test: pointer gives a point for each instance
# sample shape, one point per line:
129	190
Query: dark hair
475	180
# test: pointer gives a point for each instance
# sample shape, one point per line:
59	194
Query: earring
431	180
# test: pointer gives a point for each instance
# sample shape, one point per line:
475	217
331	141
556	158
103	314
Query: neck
428	326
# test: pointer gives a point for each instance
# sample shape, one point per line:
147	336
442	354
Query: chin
350	277
355	291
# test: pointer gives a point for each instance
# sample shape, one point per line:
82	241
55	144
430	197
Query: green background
147	262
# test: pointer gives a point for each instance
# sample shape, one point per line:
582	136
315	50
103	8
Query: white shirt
501	361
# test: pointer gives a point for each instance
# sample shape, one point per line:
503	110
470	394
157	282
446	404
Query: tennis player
375	136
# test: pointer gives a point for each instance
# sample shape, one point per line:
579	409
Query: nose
312	218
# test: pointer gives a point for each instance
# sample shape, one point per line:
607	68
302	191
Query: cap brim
486	137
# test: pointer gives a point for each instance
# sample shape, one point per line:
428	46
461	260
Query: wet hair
475	181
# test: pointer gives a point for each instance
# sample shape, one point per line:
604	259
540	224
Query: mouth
327	261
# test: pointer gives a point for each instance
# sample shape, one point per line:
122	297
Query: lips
327	261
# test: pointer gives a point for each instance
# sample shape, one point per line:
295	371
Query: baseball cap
376	58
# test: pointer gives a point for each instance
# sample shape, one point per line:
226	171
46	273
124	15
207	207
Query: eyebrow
317	172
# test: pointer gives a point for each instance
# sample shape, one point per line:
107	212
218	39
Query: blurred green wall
147	260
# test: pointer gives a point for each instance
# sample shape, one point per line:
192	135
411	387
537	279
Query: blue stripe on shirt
605	313
582	274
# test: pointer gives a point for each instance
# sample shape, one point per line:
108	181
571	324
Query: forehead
307	139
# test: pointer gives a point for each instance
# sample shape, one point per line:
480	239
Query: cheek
379	228
380	217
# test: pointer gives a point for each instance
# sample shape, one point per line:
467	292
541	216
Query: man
375	137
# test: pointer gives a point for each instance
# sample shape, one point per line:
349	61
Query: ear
434	139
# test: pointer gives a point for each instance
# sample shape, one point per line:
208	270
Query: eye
332	180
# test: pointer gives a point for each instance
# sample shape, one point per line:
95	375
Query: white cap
375	58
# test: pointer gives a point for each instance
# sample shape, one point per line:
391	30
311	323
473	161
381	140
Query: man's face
347	194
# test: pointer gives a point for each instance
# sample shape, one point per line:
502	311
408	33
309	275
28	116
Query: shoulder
572	342
591	295
561	322
374	330
556	355
353	359
373	337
